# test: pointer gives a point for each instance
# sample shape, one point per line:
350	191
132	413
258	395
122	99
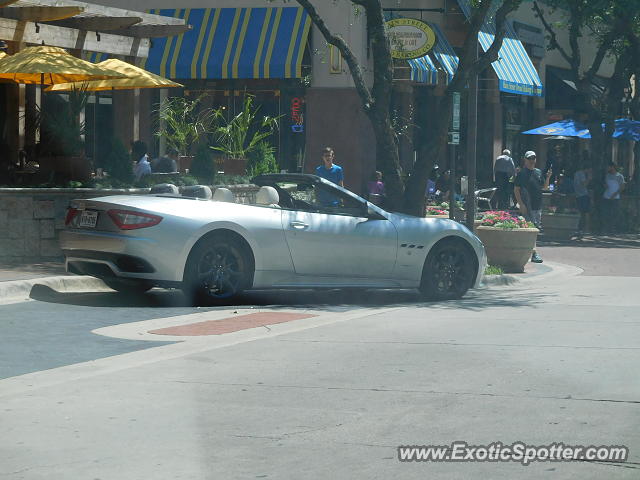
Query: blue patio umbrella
565	128
626	129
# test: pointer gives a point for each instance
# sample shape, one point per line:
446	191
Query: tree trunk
387	159
414	198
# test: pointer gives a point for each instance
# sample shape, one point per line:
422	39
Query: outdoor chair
483	198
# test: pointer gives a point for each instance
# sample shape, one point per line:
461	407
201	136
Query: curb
547	271
21	289
498	280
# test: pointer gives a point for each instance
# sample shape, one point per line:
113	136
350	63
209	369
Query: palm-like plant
61	122
242	134
182	122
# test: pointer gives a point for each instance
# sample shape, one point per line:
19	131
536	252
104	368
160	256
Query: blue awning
232	43
444	53
423	70
514	68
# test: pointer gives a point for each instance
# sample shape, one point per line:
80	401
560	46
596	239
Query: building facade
233	48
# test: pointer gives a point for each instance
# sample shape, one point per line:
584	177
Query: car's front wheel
217	272
448	271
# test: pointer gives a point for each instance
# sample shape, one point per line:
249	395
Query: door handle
299	225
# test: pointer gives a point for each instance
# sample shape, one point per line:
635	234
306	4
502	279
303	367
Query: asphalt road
329	396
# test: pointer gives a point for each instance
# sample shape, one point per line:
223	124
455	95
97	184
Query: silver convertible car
301	232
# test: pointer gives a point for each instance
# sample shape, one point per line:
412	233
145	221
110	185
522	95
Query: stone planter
73	168
436	216
509	249
235	166
559	226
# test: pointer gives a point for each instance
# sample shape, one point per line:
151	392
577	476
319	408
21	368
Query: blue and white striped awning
514	68
444	53
425	70
232	43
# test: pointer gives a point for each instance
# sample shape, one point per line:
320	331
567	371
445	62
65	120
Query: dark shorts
584	203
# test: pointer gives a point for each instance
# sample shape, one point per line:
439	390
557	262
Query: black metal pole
472	134
452	182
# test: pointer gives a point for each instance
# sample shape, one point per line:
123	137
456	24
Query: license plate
88	219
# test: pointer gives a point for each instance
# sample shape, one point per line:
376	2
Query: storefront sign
410	38
297	115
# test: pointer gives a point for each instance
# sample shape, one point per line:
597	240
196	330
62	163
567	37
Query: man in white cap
528	188
503	170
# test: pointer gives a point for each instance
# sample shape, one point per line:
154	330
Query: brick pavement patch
231	324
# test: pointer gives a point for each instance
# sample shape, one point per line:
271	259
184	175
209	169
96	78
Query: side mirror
374	215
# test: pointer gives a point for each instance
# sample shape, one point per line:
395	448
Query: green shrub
493	270
262	160
203	166
117	163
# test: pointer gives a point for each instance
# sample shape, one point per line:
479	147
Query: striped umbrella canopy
44	65
135	78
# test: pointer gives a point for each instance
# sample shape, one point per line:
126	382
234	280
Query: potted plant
62	135
508	240
238	136
559	223
182	122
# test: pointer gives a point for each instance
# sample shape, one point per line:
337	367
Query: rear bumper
109	255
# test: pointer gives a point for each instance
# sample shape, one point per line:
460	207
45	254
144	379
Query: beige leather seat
268	196
223	195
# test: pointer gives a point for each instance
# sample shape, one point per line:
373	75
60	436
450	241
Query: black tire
448	272
131	286
217	271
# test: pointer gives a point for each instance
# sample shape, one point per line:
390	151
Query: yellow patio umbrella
135	78
44	65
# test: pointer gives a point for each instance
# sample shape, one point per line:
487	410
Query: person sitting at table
165	164
139	155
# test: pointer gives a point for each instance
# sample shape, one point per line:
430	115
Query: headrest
223	195
197	191
267	196
165	188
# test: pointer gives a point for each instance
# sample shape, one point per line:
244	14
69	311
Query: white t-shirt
614	183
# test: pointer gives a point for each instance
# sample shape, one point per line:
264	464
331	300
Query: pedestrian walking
614	184
332	172
503	170
329	170
375	189
581	180
529	184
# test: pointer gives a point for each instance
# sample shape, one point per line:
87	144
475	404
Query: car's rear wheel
448	271
217	271
135	287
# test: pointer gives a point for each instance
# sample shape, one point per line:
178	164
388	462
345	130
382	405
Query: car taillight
71	214
128	220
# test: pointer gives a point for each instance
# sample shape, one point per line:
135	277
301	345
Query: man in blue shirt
328	170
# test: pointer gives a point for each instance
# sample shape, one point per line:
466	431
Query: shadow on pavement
327	300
